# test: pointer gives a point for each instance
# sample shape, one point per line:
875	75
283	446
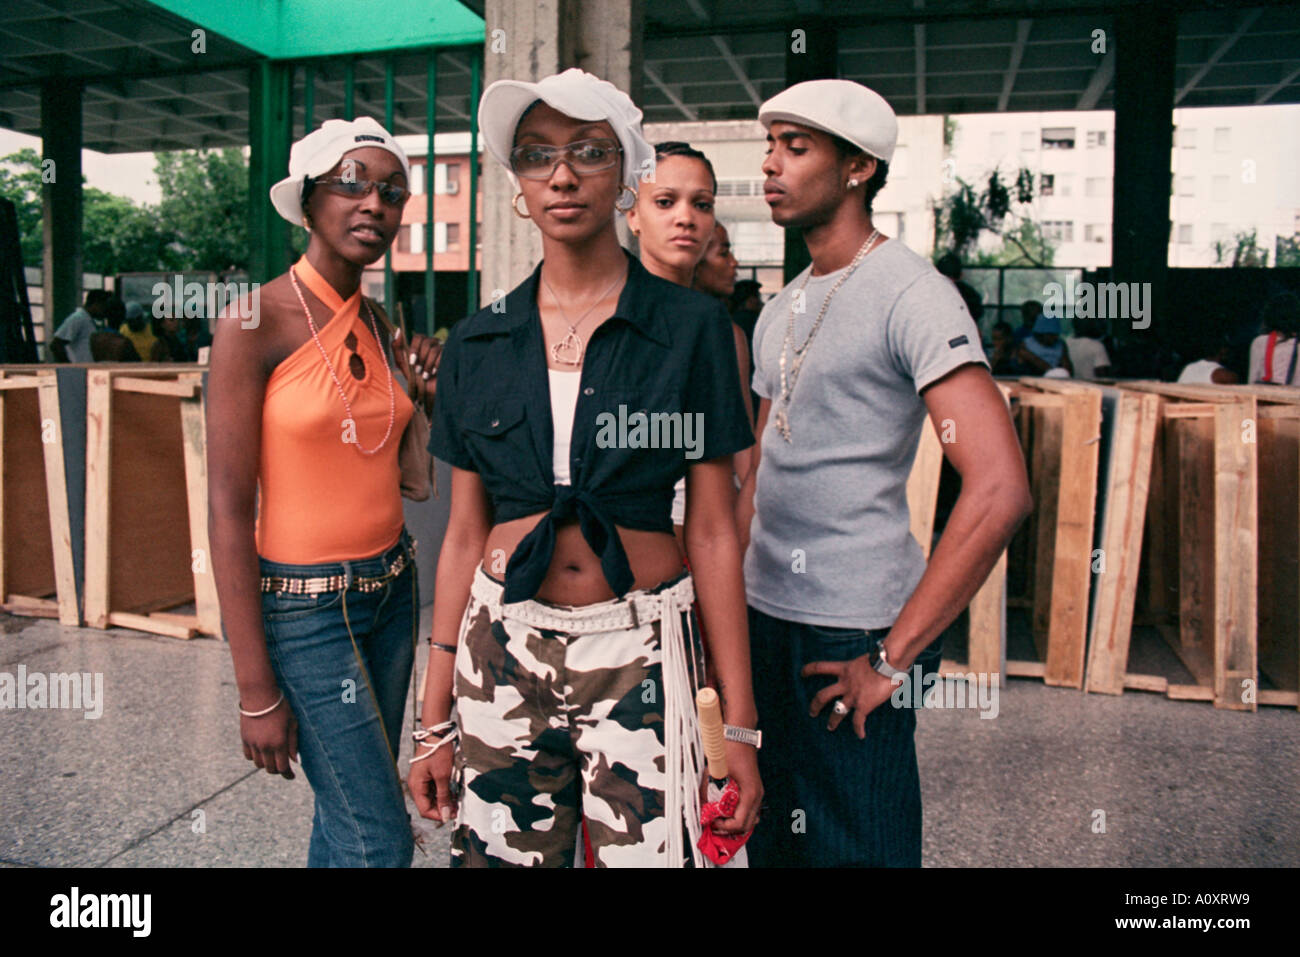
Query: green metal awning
294	29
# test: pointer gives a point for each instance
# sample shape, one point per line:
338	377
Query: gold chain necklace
788	381
572	343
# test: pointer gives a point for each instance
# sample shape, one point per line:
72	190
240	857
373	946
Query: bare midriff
575	576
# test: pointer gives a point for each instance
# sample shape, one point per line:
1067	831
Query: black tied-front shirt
659	390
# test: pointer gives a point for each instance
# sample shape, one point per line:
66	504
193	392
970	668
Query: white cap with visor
842	108
574	93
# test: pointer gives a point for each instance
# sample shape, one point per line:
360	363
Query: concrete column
529	41
811	53
61	200
1144	102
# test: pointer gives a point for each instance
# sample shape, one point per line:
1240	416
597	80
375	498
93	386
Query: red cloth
721	848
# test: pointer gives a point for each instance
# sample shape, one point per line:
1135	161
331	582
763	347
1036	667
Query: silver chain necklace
572	344
788	381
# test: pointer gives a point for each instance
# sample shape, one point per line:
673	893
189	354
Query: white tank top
564	402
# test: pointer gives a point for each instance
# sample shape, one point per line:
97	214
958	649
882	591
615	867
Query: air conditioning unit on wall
453	188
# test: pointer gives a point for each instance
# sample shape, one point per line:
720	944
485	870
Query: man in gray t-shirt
831	542
850	358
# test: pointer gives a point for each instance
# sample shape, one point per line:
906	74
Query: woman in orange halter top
314	567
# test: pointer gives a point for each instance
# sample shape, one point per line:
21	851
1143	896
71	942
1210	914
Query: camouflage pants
558	720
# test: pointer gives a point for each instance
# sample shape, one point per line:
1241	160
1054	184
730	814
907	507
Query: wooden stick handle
715	743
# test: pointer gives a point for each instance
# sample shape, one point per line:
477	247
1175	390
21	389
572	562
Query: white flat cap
848	110
317	152
574	93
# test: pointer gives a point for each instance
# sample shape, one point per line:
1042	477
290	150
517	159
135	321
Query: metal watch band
880	661
743	735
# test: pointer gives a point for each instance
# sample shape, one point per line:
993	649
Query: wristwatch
880	661
743	735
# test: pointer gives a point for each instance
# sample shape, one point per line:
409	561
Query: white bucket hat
574	93
317	152
842	108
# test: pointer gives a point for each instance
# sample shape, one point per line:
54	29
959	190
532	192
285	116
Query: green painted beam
270	87
431	99
290	29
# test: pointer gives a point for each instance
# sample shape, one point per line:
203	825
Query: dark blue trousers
831	800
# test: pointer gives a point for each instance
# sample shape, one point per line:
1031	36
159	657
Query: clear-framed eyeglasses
538	161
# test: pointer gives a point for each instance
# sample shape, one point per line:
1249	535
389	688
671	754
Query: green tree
20	183
205	203
1286	251
117	235
1243	250
962	215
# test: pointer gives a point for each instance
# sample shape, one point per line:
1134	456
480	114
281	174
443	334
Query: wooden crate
987	638
1060	431
1201	554
146	502
36	564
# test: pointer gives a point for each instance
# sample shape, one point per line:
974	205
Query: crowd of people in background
1265	352
106	329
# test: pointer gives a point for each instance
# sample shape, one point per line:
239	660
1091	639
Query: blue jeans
361	818
831	800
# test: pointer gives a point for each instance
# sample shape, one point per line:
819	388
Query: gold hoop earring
626	189
515	204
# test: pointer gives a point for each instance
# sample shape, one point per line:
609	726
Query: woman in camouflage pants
562	630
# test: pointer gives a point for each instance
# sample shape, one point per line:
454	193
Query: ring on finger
840	708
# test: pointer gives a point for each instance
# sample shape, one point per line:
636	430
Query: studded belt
328	583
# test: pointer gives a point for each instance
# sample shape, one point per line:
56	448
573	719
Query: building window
1094	186
1028	142
446	178
744	187
1219	189
1096	138
1221	139
417	179
1061	231
417	237
1058	138
1185	137
453	235
439	237
1094	233
1187	186
404	239
1185	234
1047	184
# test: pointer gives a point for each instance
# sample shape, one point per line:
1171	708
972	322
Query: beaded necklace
293	277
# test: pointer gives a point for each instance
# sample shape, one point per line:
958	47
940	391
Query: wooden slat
923	486
31	607
99	424
1048	430
1278	554
1155	683
56	494
1072	552
1132	440
987	642
1190	693
184	387
196	481
4	578
1285	699
157	626
1026	669
1235	537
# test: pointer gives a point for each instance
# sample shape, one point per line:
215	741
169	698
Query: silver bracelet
743	735
264	711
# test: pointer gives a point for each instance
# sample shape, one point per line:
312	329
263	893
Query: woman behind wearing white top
673	220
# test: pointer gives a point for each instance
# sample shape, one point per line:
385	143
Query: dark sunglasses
357	188
356	365
537	161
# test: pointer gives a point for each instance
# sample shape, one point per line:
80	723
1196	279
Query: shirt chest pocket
497	437
650	429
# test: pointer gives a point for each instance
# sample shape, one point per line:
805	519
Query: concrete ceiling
704	59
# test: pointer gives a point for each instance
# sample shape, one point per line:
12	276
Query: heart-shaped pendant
568	351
